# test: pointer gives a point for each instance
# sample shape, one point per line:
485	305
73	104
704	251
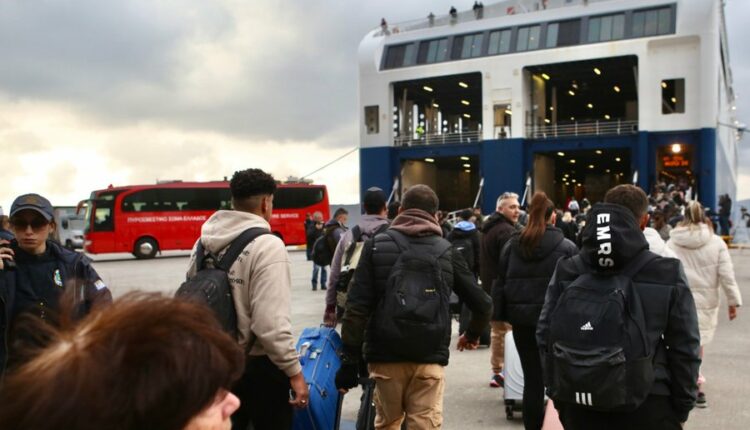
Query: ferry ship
570	97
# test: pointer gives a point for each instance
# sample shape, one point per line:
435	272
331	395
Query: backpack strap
238	245
399	238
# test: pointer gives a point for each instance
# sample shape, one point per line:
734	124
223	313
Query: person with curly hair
261	284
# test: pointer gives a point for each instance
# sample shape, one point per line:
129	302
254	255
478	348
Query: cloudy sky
99	92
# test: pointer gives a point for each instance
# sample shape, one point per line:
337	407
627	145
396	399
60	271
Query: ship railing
503	8
439	139
582	128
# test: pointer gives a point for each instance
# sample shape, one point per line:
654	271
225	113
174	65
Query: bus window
294	198
104	217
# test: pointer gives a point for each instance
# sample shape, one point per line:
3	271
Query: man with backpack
398	308
325	246
260	279
349	249
618	332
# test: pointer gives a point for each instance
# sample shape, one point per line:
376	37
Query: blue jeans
323	276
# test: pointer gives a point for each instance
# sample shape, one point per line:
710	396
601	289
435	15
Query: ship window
410	55
395	56
499	42
605	28
528	38
672	96
433	51
468	46
565	33
652	22
371	119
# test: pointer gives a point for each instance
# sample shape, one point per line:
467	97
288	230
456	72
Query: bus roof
209	184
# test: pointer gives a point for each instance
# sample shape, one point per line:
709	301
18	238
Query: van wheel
145	247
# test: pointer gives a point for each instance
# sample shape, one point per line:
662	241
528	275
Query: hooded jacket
611	239
708	267
368	224
379	255
496	231
261	287
519	291
465	232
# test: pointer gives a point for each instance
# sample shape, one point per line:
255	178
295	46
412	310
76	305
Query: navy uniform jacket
71	272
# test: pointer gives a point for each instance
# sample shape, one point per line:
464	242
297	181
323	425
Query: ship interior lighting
573	181
572	161
591	166
676	148
426	88
466	115
618	159
509	112
562	154
598	151
467	170
429	160
435	105
465	102
582	91
464	158
674	99
467	165
545	76
546	120
664	84
463	85
608	170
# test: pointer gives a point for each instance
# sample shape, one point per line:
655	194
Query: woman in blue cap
37	273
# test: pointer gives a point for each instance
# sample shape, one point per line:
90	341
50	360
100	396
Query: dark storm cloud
119	63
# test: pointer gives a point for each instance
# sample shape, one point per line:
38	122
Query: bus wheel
145	247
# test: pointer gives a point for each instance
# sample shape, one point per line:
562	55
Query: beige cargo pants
410	391
497	344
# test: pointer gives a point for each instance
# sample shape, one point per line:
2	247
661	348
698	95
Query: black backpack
413	313
211	285
599	356
324	247
464	245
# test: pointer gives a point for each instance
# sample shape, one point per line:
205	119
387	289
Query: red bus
146	219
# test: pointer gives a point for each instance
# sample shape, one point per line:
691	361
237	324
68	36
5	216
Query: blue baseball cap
33	202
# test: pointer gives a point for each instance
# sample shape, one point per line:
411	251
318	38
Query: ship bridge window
606	28
528	38
400	56
672	96
564	33
499	42
433	51
468	46
653	22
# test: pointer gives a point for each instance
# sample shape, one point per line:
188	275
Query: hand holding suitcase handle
299	393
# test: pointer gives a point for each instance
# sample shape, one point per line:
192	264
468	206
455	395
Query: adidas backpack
210	285
598	353
413	314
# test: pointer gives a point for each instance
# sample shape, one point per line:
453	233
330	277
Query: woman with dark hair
527	263
708	267
146	362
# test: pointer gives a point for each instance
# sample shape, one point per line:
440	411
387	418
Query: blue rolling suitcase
320	356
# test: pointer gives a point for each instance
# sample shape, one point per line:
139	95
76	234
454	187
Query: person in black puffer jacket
526	266
406	357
